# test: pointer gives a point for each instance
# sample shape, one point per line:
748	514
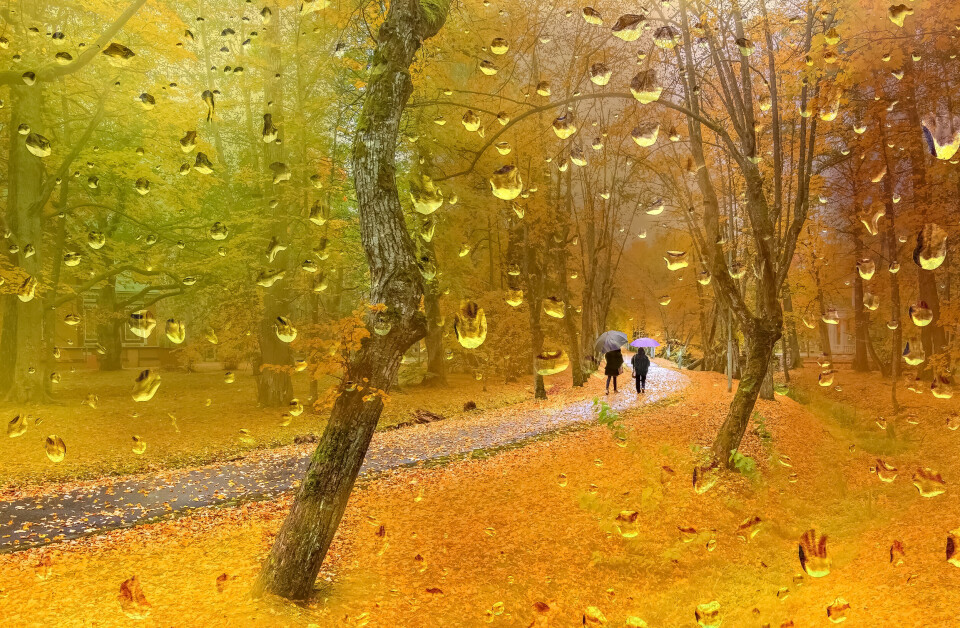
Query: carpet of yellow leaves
195	419
539	535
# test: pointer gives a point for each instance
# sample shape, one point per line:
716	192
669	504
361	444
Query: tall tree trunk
533	273
588	317
27	193
436	364
892	249
110	329
395	282
569	320
861	319
706	329
821	325
49	325
931	336
273	365
570	326
790	325
436	361
22	362
491	257
785	359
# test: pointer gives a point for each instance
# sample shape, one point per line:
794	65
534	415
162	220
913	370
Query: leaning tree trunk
762	336
395	285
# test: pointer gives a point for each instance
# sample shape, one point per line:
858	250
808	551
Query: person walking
641	364
613	367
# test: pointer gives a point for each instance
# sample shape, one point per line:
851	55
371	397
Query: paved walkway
126	502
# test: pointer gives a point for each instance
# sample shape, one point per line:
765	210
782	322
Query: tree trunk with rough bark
763	336
396	284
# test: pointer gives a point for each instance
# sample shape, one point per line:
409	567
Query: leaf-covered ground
54	512
531	537
194	419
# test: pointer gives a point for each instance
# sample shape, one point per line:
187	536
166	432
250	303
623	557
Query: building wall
78	343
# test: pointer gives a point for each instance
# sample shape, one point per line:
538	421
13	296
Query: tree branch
710	124
50	72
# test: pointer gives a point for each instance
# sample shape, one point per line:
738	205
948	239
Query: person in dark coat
641	364
613	367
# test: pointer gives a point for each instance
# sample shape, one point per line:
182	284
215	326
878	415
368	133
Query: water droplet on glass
175	331
920	314
141	323
813	554
284	329
931	247
837	611
470	325
55	448
929	483
146	385
551	362
591	16
676	260
708	615
506	183
554	307
38	145
426	197
17	426
629	27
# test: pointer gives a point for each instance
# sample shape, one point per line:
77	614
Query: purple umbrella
645	343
